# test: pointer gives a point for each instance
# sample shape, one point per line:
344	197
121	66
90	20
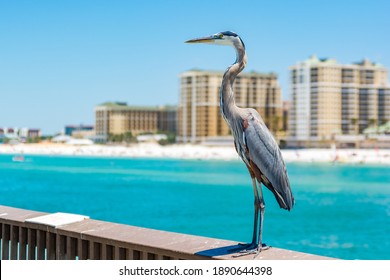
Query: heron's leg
260	245
257	244
256	214
252	247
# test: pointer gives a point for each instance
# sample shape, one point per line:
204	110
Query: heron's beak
208	39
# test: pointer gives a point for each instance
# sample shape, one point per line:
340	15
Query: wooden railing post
61	247
41	245
22	243
5	239
31	243
14	242
50	246
82	249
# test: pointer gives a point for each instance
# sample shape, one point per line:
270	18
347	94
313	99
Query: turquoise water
341	211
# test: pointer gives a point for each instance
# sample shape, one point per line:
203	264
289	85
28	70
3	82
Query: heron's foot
240	247
250	249
246	244
243	246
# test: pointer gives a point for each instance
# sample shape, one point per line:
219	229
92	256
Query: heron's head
226	38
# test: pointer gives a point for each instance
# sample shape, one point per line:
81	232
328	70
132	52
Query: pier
32	235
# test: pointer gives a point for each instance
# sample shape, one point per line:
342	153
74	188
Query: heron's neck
227	104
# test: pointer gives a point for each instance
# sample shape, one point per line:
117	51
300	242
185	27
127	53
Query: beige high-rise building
117	118
331	99
199	117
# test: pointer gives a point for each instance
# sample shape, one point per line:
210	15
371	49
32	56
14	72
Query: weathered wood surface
24	237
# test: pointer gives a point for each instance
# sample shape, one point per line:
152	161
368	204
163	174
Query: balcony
35	235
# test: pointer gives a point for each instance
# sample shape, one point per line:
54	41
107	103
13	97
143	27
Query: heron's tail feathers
285	201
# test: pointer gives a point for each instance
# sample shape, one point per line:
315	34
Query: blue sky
59	59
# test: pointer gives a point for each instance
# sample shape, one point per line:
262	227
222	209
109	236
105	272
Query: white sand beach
188	151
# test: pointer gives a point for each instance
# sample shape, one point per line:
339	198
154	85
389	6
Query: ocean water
341	211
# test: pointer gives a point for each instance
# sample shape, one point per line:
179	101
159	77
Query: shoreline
190	151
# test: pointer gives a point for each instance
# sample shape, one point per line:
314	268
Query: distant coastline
189	151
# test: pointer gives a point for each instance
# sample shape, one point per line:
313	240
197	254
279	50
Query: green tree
171	138
122	138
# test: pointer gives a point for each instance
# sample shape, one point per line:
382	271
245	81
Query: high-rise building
286	110
118	118
331	99
199	117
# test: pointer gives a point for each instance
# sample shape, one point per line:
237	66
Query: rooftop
314	60
251	73
124	106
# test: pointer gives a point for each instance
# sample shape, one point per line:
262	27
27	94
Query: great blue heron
253	141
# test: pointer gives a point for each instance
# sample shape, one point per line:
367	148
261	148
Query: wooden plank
98	250
83	249
119	253
94	251
71	248
57	219
16	216
5	240
104	252
31	243
22	243
41	245
139	255
159	257
129	254
109	252
61	247
84	229
50	246
14	242
122	253
116	253
91	252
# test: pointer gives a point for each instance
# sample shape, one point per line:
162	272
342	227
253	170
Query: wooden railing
35	235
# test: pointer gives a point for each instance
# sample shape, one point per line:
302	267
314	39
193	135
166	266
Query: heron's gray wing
264	152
